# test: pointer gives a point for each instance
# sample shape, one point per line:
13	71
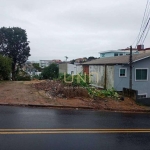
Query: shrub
23	76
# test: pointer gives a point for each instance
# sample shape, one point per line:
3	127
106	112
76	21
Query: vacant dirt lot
24	93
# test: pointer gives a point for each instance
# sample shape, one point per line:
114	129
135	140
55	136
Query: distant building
46	63
112	53
80	60
57	61
29	68
70	68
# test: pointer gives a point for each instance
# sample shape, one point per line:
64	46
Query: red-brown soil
24	93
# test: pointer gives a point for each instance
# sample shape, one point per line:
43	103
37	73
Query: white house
70	68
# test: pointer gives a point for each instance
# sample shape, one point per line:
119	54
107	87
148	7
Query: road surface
23	128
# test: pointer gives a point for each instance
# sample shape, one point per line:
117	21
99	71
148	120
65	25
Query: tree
14	44
5	67
66	57
50	72
72	61
91	58
37	66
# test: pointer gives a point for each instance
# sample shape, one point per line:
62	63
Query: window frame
143	95
125	72
141	69
116	54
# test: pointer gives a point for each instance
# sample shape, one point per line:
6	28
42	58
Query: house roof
118	51
117	59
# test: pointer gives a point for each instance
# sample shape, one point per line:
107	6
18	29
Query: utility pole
130	64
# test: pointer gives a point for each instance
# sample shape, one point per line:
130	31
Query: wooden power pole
130	64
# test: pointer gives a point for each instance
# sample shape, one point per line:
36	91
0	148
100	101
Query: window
141	74
120	54
140	96
103	55
115	54
122	72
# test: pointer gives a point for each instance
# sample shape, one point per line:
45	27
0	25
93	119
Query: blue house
114	72
112	53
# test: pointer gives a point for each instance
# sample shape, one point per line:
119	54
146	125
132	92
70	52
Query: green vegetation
95	93
83	81
39	77
37	67
75	80
14	44
22	76
5	68
50	72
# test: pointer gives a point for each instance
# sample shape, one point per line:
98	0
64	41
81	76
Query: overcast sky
74	28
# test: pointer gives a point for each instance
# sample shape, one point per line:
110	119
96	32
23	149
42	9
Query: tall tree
14	44
5	68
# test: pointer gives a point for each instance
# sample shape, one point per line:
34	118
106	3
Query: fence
134	95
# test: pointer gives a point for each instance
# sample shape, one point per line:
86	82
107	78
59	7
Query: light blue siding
143	87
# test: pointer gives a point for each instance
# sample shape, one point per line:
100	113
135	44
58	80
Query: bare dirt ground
24	93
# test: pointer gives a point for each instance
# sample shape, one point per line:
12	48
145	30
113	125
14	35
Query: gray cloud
77	28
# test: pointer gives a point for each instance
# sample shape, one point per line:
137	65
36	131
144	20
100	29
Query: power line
142	22
146	34
144	29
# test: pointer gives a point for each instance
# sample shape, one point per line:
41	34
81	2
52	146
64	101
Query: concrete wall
97	75
98	78
63	68
144	101
79	69
70	68
109	77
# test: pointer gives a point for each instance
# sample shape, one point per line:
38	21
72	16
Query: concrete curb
73	107
51	106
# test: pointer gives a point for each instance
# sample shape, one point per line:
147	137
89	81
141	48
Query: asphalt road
24	128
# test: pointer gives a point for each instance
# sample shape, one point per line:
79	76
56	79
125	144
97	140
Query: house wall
111	54
120	82
141	86
63	68
86	69
79	69
97	75
106	55
109	77
71	69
